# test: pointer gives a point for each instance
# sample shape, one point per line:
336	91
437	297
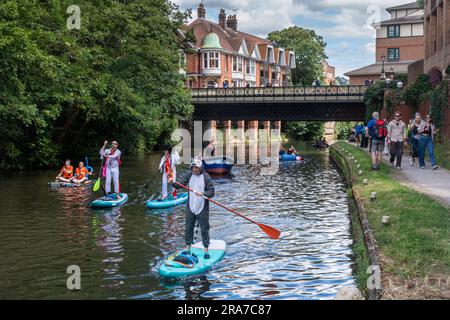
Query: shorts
377	146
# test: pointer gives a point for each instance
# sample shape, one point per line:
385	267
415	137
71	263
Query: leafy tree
305	130
62	92
309	52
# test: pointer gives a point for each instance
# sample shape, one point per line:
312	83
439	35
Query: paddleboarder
112	162
198	207
169	170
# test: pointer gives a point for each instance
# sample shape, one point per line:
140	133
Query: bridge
302	103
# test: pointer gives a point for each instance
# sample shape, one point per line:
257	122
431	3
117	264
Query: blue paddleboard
171	269
167	203
110	201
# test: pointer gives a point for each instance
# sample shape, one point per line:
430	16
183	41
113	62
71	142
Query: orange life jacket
65	174
81	173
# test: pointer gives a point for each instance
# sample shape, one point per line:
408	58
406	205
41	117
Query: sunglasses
397	116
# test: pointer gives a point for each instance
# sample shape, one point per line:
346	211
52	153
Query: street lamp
383	72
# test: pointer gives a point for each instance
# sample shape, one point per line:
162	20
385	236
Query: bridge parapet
271	94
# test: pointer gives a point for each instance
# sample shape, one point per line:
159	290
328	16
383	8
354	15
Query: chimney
232	22
222	18
201	12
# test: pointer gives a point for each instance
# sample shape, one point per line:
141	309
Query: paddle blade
271	232
97	185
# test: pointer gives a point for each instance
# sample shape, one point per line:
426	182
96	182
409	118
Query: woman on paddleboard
112	162
198	207
169	170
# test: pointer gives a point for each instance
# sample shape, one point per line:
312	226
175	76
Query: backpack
379	131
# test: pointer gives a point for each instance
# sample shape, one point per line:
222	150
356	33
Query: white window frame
211	60
238	64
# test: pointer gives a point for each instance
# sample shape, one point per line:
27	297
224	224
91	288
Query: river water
118	251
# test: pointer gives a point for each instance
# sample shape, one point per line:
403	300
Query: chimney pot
201	12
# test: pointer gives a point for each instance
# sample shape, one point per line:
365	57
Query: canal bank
412	248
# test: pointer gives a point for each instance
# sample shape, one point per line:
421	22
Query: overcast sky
344	24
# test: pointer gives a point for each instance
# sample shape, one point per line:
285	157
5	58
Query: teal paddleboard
110	201
167	203
171	269
60	184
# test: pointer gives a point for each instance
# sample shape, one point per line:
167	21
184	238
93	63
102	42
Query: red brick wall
360	80
411	48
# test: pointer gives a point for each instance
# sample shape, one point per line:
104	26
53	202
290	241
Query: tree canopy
62	92
309	52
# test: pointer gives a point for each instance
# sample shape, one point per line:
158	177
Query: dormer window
250	67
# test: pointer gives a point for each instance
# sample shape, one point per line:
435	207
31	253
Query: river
43	231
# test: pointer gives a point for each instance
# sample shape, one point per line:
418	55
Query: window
250	67
237	64
393	54
211	60
394	31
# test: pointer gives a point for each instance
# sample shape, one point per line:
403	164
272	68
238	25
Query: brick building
329	73
437	35
400	42
221	54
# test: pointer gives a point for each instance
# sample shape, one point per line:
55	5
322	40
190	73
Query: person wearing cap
66	172
197	208
169	170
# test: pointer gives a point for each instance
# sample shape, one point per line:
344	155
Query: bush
305	130
416	93
343	130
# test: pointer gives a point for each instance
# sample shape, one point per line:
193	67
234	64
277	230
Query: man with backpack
377	133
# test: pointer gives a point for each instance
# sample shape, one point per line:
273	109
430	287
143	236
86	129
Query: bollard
386	220
365	182
373	196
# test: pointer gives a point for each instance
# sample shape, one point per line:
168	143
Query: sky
345	25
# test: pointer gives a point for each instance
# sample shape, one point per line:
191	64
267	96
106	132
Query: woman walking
427	130
414	138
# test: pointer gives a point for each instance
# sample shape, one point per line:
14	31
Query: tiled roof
399	67
229	39
411	5
402	20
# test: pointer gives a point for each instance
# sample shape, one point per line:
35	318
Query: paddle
271	232
97	183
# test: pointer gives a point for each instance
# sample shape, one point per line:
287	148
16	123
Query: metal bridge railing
275	93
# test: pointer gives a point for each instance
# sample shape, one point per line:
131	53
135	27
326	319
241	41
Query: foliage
435	77
305	130
309	52
442	152
439	101
414	94
343	130
374	98
421	3
62	92
341	81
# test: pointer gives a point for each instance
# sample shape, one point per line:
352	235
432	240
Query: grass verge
415	248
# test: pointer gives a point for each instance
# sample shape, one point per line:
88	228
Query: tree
305	130
309	52
62	92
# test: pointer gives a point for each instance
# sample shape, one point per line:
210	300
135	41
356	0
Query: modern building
221	54
399	43
437	36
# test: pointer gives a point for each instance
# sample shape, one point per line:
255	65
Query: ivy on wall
439	101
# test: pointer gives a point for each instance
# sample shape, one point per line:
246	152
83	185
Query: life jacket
81	173
379	130
186	260
65	174
168	166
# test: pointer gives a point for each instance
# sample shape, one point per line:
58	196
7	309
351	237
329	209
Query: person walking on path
396	138
112	163
377	132
169	170
427	130
197	208
414	138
